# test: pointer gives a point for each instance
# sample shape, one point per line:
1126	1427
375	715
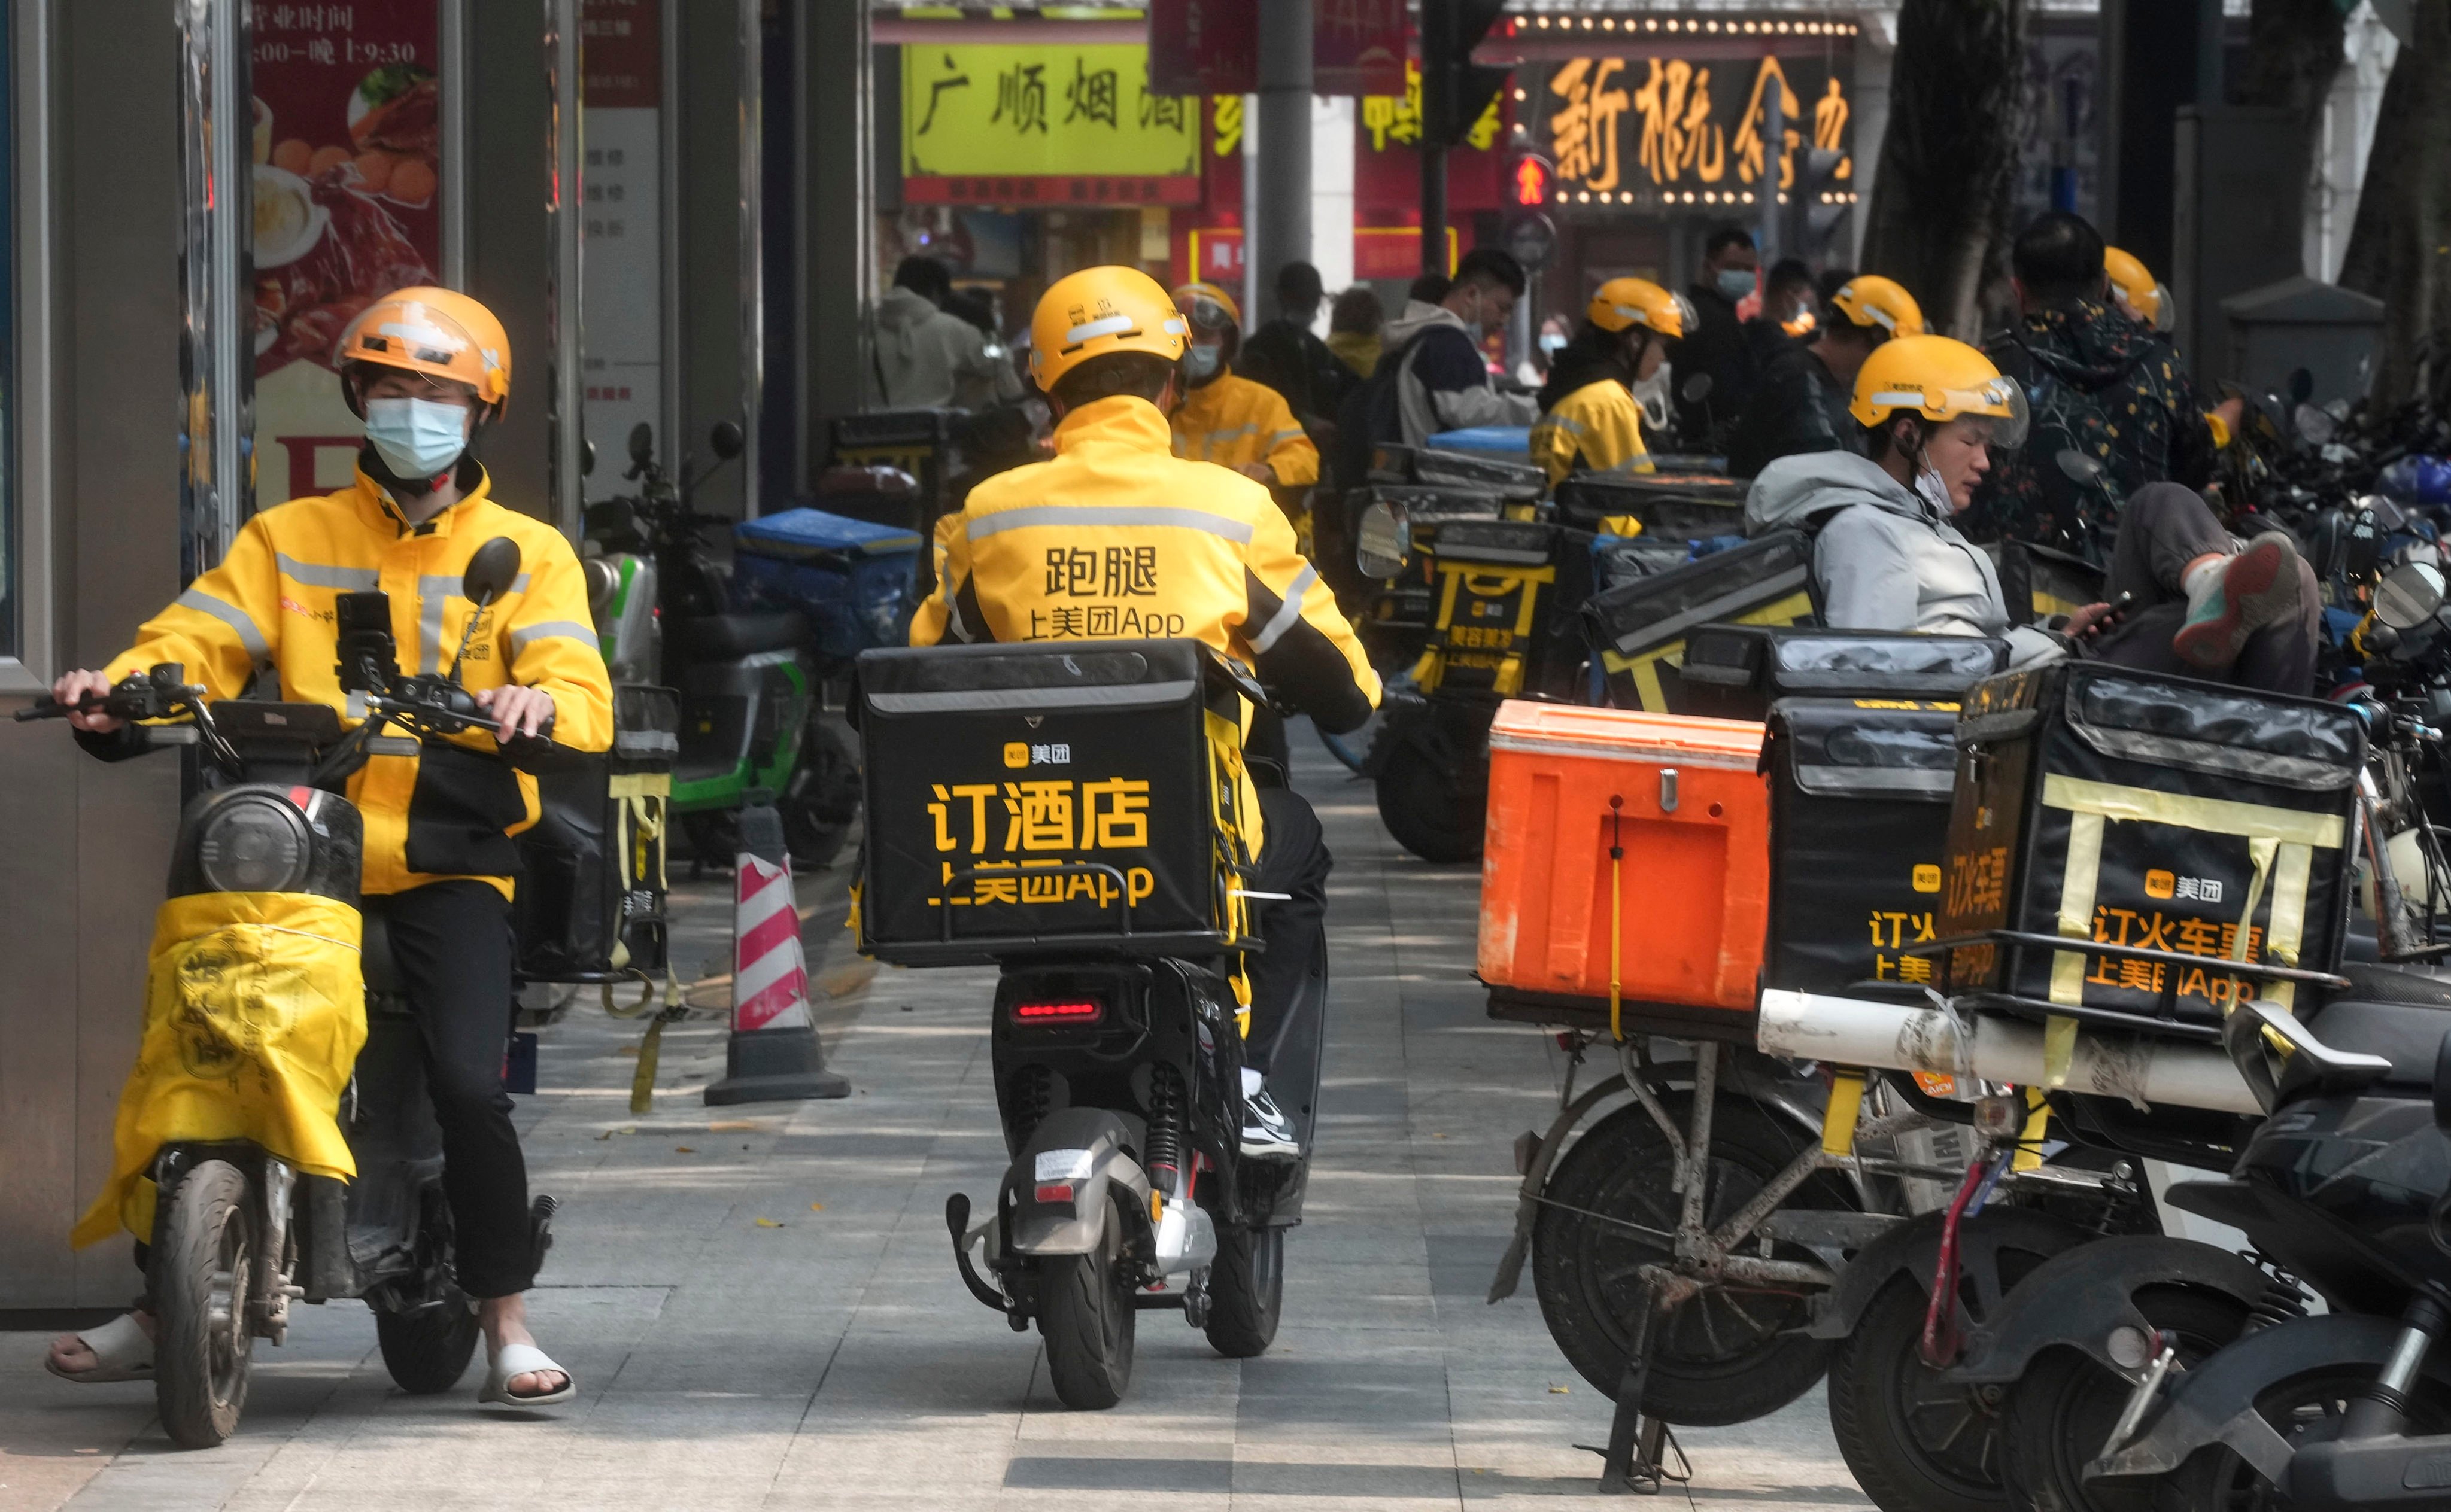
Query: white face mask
1933	491
417	437
1202	361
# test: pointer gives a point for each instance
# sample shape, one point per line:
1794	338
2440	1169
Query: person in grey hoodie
1888	556
929	358
1442	381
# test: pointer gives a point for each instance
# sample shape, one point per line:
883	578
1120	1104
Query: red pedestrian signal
1531	181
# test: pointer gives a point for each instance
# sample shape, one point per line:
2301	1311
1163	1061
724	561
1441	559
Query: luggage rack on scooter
2166	1022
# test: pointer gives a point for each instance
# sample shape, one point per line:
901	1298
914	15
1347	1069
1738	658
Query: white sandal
522	1359
121	1351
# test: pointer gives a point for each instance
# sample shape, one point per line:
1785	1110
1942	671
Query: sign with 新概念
1626	125
1021	124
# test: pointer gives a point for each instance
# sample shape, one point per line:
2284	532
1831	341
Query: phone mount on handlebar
370	656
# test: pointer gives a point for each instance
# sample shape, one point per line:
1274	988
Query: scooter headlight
254	844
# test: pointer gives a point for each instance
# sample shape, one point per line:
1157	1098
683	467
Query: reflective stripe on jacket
1594	429
270	607
1235	421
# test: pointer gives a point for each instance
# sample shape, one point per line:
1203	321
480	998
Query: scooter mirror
642	443
2409	595
727	440
1383	540
586	458
1695	388
2317	426
491	572
2082	469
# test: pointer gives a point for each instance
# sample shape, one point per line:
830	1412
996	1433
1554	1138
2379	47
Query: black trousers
451	941
2164	527
1294	859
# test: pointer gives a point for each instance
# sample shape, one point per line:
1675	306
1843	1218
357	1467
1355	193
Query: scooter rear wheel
1431	810
428	1351
203	1275
1246	1291
1085	1314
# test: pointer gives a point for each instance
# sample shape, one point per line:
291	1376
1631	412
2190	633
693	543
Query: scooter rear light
1055	1192
1062	1011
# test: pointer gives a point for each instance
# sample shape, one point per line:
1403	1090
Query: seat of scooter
708	637
2407	1034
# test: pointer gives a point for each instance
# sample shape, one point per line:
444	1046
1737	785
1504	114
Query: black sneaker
1268	1133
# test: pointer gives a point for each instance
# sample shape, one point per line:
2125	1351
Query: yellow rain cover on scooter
254	1012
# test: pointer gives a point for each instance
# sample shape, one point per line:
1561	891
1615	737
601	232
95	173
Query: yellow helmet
1879	304
1940	378
2135	284
1208	308
440	333
1098	312
1622	303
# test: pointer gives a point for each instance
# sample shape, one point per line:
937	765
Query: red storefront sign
1358	47
1206	47
1395	251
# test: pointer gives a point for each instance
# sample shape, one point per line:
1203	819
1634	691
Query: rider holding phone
1118	538
426	369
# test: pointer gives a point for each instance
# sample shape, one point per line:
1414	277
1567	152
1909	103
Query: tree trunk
1948	161
2294	49
2399	247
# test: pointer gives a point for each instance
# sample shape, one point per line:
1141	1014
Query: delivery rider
1118	537
1589	419
1220	417
427	370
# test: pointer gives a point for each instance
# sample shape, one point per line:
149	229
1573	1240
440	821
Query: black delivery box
1859	810
2156	813
1032	798
1637	630
1736	671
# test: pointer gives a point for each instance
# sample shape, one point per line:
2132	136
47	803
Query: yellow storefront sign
1042	111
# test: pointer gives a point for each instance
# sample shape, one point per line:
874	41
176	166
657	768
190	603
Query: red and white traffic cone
773	1054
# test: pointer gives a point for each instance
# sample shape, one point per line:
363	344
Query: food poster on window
348	169
622	362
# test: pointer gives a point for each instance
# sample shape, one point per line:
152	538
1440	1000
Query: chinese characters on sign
621	187
1030	826
1398	117
1692	122
1045	124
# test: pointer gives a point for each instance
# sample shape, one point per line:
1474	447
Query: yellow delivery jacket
1596	428
1234	422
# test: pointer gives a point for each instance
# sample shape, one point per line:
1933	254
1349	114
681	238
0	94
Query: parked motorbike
751	699
1116	905
239	1233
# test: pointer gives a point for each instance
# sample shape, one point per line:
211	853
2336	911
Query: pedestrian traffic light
1529	180
1454	90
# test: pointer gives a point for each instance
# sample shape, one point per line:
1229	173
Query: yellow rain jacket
1116	538
1234	422
253	1018
270	607
1594	429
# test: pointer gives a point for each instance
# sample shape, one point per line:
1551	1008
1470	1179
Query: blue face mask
1201	361
1735	283
417	437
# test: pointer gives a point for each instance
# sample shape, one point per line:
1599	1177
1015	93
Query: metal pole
565	215
1434	208
668	238
453	63
1774	144
1283	229
753	288
216	145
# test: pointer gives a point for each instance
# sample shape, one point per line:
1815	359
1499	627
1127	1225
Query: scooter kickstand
1631	1463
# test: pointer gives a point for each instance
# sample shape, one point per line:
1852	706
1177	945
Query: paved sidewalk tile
762	1308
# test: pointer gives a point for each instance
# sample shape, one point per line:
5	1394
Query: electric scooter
239	1233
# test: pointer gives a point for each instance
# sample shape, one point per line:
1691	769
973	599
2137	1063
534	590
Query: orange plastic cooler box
1684	799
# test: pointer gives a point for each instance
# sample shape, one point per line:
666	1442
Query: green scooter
751	695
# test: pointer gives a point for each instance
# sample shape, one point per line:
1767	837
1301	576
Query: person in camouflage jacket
2098	384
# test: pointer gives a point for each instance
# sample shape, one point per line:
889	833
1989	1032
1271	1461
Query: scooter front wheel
203	1275
1085	1314
428	1350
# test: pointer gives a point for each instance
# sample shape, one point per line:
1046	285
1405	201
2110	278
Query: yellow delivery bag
254	1012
